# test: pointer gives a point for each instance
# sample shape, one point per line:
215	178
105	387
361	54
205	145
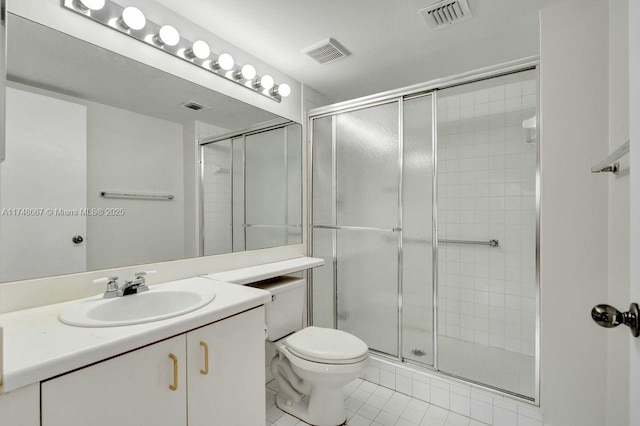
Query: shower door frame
254	130
430	88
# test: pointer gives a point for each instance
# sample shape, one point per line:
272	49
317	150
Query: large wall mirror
112	163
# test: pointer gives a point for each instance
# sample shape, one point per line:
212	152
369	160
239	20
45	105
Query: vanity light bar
132	22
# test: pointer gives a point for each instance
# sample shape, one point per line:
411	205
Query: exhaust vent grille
445	13
193	106
326	51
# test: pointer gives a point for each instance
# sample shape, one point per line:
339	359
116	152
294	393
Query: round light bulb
90	4
284	90
200	49
266	81
248	72
133	18
168	35
225	61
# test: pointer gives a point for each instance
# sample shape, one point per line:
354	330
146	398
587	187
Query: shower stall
424	206
251	186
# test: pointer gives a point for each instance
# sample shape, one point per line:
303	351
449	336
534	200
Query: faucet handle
143	273
112	286
105	280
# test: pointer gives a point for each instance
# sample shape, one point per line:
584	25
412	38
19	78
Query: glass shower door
265	185
417	236
428	229
367	194
372	222
487	185
356	223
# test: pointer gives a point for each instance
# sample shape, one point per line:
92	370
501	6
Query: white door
128	390
233	372
634	73
43	180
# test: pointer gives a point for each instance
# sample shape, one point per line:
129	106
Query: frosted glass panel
253	181
417	306
294	184
266	183
258	238
322	278
217	197
368	287
367	149
238	194
322	172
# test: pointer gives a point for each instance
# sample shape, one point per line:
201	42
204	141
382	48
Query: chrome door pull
607	316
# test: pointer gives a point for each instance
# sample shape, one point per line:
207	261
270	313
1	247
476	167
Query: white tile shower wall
486	184
216	191
204	130
217	198
313	99
464	399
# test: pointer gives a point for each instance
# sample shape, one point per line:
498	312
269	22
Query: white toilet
313	364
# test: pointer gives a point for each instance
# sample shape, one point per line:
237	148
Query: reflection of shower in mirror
530	125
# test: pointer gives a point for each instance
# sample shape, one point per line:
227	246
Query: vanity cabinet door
229	388
129	390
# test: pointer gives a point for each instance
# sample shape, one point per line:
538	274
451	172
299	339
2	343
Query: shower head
530	124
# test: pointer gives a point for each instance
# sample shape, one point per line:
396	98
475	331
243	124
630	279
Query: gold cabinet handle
174	386
206	359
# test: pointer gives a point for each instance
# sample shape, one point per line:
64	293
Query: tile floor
371	405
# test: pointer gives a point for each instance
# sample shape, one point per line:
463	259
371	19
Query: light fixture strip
110	15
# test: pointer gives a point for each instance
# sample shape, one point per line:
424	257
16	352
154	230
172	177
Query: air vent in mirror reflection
193	105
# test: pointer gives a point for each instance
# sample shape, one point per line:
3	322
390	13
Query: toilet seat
326	346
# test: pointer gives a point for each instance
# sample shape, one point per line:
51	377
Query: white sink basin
156	304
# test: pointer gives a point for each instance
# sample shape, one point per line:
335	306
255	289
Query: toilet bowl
312	364
311	367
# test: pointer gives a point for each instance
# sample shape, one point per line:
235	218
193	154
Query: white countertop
266	271
37	346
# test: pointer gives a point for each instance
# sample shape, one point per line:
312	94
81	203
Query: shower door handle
609	317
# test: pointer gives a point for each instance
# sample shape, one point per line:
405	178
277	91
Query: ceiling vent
194	106
326	51
445	13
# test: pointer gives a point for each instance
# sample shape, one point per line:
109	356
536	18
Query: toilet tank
284	313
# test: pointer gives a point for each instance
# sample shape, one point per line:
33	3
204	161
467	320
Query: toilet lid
326	345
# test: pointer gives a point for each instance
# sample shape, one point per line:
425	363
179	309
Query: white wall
139	154
125	151
574	220
618	264
191	191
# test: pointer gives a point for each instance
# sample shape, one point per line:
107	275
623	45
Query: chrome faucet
137	285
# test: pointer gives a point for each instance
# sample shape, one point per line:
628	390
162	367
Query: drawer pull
174	386
206	359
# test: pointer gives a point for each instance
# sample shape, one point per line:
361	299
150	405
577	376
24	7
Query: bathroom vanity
184	370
